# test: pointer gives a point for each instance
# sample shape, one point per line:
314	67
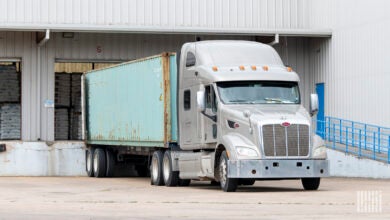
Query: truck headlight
320	152
246	152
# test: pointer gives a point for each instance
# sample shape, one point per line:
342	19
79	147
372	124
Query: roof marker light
265	68
215	69
289	69
242	67
253	67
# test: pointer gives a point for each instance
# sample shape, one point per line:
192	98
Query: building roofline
167	30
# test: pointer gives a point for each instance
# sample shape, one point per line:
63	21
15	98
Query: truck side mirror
200	99
313	104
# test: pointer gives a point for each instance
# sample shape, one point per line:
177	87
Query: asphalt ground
134	198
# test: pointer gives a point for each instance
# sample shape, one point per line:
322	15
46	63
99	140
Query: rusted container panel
133	104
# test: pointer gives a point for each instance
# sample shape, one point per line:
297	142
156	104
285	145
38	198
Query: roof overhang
165	30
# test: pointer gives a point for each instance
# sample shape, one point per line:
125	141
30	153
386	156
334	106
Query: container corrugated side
133	104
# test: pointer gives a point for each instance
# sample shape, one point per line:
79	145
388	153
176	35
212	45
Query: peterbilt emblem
286	124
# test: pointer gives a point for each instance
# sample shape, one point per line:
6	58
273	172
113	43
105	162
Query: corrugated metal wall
353	63
23	45
168	15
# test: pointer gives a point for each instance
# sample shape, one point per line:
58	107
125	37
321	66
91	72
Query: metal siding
353	62
168	15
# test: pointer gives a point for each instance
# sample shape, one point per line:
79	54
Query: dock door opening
10	99
67	113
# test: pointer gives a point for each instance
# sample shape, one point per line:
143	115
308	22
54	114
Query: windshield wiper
278	100
239	101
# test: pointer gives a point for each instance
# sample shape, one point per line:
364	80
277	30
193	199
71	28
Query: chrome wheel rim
89	161
166	169
222	171
154	169
95	163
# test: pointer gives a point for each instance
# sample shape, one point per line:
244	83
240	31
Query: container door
320	89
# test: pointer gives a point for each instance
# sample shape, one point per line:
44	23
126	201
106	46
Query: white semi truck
222	111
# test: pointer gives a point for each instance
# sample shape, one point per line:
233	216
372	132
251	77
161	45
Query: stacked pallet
62	89
76	129
68	106
61	124
9	84
10	121
76	92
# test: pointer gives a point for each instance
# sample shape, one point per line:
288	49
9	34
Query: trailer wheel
227	184
110	159
89	161
311	183
156	175
171	178
99	163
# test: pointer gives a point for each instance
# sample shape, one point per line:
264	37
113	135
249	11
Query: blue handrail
363	140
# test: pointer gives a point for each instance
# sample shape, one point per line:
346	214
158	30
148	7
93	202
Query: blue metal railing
363	140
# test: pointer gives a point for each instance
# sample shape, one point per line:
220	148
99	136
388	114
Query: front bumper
278	168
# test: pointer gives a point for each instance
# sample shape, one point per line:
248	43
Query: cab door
210	116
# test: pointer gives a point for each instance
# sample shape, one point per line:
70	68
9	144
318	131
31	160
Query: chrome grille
280	141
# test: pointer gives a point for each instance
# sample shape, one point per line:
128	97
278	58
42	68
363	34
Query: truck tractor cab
241	119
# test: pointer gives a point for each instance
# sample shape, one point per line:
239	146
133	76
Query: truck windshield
259	92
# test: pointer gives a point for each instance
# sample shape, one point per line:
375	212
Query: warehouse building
338	48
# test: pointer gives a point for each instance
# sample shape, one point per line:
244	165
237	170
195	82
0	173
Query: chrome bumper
278	168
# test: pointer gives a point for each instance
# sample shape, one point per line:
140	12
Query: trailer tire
171	178
99	163
311	183
156	176
227	184
110	159
89	161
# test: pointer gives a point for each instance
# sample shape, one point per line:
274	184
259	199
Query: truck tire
184	182
171	178
89	161
227	184
99	163
247	182
110	159
156	176
311	183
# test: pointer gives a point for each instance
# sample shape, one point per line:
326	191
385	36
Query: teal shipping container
133	103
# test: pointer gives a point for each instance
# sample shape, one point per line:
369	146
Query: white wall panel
156	15
353	64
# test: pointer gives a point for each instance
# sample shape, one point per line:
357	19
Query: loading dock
10	100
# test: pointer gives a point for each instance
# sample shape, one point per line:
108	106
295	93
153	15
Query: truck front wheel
156	175
311	183
227	184
171	178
